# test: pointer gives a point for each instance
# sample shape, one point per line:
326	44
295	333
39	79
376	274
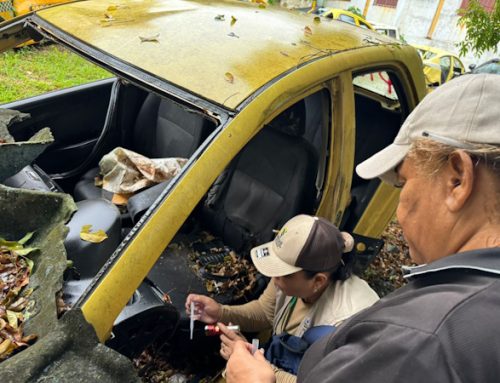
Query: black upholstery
269	182
162	129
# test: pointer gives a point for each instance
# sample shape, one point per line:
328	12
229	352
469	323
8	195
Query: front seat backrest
271	181
166	129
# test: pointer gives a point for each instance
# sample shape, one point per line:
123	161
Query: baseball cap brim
270	265
383	164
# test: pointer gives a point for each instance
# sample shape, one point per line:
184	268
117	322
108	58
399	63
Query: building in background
423	22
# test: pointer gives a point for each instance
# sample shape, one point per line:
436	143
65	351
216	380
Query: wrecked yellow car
270	111
440	66
12	8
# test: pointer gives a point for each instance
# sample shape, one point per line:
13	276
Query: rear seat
162	129
271	180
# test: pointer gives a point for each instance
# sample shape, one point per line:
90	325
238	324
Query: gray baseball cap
460	113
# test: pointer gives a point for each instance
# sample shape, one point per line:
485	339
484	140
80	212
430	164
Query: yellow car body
440	66
12	8
347	17
240	72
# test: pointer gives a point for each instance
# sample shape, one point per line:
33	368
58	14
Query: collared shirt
486	260
443	326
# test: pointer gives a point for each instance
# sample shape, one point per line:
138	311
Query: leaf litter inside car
15	272
227	277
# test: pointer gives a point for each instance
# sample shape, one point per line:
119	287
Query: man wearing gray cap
443	326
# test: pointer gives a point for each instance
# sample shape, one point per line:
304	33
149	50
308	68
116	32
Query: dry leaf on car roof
308	31
317	19
233	20
229	77
150	39
219	17
95	237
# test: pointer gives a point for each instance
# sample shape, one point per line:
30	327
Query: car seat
163	129
271	180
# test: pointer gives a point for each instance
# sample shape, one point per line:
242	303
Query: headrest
291	121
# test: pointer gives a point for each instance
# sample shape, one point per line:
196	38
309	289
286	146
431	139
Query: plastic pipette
191	322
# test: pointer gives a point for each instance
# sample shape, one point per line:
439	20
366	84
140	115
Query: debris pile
224	272
15	271
385	274
161	363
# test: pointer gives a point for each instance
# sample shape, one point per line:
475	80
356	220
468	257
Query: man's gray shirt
443	326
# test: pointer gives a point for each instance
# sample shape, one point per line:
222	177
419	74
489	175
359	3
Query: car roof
187	44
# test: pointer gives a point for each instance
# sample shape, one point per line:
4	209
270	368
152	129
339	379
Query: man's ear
459	180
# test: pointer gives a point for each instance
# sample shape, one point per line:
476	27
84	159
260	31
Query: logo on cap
262	252
278	241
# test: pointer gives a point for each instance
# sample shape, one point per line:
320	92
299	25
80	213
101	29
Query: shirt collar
487	260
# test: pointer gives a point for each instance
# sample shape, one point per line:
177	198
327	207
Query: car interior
277	175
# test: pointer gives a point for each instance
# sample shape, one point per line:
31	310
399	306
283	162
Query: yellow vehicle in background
347	17
440	66
12	8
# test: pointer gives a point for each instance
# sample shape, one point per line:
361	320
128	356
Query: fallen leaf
233	20
107	16
26	250
308	31
12	318
232	34
229	77
317	19
150	39
4	346
285	54
120	199
26	238
219	18
95	237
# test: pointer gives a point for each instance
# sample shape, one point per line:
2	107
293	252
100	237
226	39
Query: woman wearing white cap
311	285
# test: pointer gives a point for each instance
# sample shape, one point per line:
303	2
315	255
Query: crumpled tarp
125	171
16	155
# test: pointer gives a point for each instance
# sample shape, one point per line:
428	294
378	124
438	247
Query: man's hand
227	340
243	367
206	309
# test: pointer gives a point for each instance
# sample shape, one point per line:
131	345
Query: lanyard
286	314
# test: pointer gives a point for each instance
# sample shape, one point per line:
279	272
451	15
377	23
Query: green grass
33	70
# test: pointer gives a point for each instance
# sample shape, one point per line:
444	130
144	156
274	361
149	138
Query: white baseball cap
303	243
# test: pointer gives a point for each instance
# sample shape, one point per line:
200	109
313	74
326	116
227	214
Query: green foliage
356	11
483	29
33	70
